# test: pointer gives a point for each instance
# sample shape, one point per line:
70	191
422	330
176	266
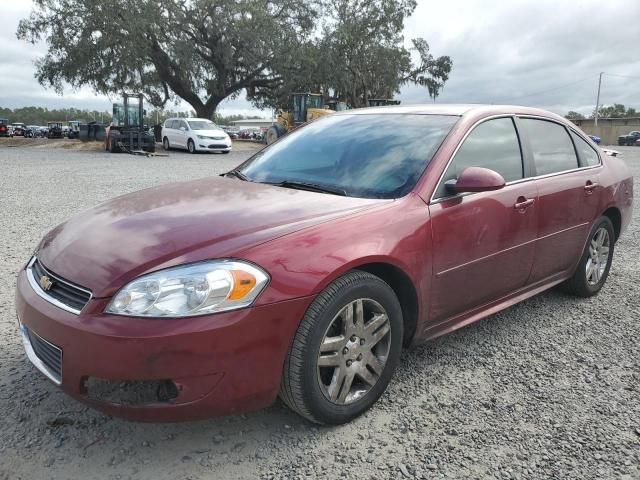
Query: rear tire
345	350
593	268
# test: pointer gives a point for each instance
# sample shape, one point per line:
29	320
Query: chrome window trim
31	355
455	152
434	201
42	294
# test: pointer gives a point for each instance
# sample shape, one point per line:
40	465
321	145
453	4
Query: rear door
483	243
568	186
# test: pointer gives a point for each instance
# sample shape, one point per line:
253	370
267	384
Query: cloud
542	53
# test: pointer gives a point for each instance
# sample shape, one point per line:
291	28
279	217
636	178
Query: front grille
60	290
218	146
47	353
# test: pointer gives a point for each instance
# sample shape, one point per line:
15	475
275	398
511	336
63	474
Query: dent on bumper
221	364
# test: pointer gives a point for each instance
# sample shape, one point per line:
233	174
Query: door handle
522	203
590	187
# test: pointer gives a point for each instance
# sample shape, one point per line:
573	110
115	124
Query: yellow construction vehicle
303	108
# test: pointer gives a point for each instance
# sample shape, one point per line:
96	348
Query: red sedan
305	271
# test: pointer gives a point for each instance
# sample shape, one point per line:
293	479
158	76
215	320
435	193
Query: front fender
305	262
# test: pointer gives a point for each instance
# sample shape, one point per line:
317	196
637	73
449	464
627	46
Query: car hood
211	133
107	246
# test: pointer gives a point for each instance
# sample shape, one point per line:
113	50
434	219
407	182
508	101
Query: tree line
206	51
40	116
616	110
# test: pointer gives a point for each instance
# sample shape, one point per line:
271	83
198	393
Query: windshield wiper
311	187
236	174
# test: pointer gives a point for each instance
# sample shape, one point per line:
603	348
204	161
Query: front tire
191	146
593	268
274	133
165	144
345	350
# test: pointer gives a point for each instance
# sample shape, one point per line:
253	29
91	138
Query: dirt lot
547	389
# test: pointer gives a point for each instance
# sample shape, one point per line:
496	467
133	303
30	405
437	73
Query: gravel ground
549	388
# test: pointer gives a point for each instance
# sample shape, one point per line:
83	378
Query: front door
483	243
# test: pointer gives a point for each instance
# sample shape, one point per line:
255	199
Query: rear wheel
345	350
191	146
113	144
593	269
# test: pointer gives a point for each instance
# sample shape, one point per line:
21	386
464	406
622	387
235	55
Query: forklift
54	130
127	132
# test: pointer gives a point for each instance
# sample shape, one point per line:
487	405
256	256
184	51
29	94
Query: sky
543	53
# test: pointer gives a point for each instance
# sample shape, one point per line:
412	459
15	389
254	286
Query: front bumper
210	145
221	364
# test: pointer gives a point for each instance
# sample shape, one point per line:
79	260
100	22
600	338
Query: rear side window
552	148
586	153
492	144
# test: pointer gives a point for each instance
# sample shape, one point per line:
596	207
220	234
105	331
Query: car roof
454	109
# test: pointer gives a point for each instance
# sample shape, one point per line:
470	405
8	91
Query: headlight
195	289
203	137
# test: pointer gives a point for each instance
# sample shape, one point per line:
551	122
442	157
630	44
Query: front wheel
345	350
274	133
165	143
191	146
593	269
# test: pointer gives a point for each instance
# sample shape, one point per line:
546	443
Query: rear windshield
365	155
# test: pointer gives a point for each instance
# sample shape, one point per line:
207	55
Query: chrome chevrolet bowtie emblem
45	283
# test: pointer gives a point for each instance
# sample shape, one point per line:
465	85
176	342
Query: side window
492	144
587	155
552	148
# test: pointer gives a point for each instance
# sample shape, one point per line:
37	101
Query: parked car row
52	130
632	138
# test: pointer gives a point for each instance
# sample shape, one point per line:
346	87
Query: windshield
368	156
202	125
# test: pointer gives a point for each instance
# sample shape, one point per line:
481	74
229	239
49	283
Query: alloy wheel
598	256
354	351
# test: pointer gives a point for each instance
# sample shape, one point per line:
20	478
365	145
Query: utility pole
598	100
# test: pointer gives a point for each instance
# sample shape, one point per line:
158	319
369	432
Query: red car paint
477	244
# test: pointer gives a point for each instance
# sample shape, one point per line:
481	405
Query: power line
552	89
621	76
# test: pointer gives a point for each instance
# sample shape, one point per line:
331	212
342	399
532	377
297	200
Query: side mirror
183	129
475	179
